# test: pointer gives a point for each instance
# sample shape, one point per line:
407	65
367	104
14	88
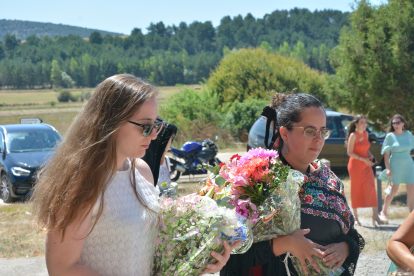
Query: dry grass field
36	103
18	238
45	96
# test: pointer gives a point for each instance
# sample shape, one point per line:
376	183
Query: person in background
398	162
327	224
400	247
361	160
155	155
96	198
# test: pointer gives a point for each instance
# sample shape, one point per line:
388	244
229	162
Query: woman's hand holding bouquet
191	229
262	189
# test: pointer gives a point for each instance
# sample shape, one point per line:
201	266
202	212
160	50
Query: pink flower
243	206
321	196
258	152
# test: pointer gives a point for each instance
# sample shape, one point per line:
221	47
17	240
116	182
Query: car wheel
5	189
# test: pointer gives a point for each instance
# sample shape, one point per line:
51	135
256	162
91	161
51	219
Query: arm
351	153
62	257
398	248
300	247
387	163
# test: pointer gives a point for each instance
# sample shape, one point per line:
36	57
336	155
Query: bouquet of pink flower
191	227
262	189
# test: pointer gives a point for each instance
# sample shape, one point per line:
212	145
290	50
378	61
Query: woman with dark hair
155	154
327	224
398	162
360	164
96	198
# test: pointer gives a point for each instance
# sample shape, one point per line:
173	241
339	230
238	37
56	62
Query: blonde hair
85	161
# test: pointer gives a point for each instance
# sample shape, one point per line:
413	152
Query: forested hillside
167	55
23	29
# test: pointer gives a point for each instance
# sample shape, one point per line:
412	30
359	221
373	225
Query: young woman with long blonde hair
96	198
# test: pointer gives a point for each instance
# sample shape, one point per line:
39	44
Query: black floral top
324	210
322	195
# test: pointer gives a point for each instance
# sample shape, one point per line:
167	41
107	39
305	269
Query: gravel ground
375	264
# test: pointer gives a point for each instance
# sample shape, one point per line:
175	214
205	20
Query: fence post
378	170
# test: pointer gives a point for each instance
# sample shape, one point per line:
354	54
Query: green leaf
216	170
210	193
220	181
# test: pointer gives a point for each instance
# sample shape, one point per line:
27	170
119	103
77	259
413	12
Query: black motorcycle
193	153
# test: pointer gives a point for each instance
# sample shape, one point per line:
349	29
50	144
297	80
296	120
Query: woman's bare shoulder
144	170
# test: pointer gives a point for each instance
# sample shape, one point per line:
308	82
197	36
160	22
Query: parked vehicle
23	149
334	150
185	160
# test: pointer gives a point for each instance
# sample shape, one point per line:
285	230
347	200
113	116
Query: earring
286	148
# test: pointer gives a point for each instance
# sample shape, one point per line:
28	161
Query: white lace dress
123	240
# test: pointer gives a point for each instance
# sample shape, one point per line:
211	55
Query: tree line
167	55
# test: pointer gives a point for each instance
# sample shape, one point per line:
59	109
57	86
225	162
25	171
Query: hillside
22	29
167	55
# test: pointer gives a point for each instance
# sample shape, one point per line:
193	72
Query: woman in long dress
327	224
96	198
398	162
361	160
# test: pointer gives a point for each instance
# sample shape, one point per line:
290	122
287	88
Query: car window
379	134
345	123
32	141
330	124
259	128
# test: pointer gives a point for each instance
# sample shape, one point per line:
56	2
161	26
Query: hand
221	259
388	173
303	249
367	162
335	253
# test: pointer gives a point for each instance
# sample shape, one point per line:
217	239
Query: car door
334	149
2	149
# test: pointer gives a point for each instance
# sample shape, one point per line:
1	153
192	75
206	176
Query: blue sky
123	16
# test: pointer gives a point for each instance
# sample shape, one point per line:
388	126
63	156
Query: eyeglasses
149	128
310	132
396	123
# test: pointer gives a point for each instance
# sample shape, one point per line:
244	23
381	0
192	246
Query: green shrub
189	105
241	116
64	96
257	73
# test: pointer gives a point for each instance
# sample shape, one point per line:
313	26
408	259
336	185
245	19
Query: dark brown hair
396	116
352	126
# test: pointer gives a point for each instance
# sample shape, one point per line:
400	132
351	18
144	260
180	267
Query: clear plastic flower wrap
259	187
191	227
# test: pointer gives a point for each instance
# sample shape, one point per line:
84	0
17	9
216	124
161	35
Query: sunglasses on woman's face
149	128
396	123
